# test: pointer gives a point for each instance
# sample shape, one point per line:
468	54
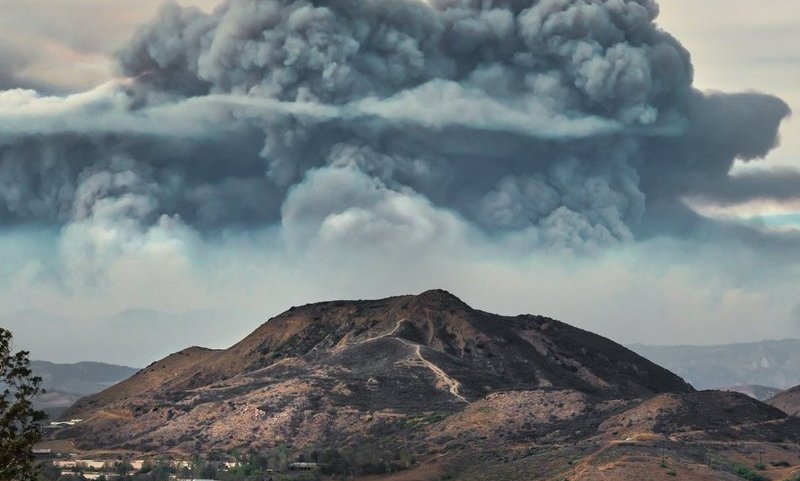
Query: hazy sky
182	184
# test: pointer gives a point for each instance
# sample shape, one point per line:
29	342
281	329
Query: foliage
155	473
419	421
257	466
20	423
48	472
746	473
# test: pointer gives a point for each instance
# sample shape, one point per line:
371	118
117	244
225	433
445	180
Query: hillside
398	356
705	411
432	387
766	363
788	401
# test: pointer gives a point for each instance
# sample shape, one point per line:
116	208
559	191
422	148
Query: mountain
80	378
428	385
766	363
66	383
402	355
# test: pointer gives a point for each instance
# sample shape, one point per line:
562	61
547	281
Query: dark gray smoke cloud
565	123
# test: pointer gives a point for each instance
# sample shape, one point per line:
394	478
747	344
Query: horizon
630	346
156	194
246	330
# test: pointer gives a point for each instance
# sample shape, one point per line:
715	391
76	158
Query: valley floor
650	457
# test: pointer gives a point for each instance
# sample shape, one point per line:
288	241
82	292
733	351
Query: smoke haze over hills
544	156
767	363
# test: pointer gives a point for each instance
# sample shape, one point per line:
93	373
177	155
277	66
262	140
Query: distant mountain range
66	383
767	363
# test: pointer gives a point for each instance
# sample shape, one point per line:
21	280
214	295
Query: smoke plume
289	150
566	123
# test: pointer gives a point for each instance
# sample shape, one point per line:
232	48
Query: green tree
20	423
48	472
279	458
123	468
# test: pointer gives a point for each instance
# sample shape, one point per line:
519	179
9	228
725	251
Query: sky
176	175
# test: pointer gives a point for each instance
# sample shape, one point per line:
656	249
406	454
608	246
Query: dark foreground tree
20	423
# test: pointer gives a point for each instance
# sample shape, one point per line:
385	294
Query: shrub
746	473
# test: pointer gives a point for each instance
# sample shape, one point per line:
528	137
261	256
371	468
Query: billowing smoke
546	123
